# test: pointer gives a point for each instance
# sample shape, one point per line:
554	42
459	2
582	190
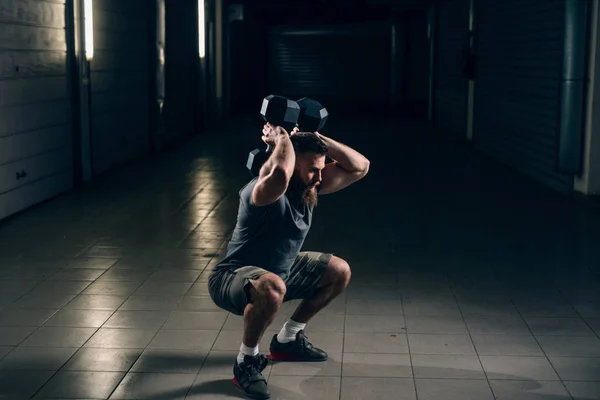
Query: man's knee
269	289
339	271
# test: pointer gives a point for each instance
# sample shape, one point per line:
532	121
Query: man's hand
271	134
348	167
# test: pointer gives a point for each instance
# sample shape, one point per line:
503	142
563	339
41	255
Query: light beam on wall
201	30
88	16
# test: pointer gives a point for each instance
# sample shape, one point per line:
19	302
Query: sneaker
248	377
298	350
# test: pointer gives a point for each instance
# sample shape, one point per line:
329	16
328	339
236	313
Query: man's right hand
271	134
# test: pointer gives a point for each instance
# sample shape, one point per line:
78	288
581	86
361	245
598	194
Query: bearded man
264	266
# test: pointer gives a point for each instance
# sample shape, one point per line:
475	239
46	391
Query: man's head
310	160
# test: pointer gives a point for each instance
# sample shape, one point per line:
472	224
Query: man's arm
276	172
348	167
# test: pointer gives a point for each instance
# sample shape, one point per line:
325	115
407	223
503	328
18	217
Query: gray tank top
269	237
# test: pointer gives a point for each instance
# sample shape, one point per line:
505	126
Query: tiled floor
469	282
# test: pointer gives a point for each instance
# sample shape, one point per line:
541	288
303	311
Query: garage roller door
450	86
36	146
517	91
120	76
345	67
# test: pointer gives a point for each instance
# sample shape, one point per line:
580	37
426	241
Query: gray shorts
228	288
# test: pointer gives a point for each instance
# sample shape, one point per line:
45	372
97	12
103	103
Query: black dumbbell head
313	115
280	111
256	158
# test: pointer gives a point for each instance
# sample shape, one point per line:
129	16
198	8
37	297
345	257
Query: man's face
307	175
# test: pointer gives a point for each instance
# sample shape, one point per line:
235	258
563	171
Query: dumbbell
278	111
306	114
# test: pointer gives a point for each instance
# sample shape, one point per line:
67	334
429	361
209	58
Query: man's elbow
364	170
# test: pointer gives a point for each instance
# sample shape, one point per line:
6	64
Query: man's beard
308	194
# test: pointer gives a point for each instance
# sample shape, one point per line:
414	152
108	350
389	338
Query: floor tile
150	302
453	389
447	366
4	350
121	338
124	275
374	307
303	387
137	385
577	368
594	324
440	344
584	390
13	316
376	365
559	326
95	302
497	326
516	367
79	318
375	324
77	274
79	384
51	301
206	320
60	287
378	388
424	306
37	358
438	324
103	360
198	303
356	342
139	319
112	288
173	361
49	336
545	308
486	308
184	339
507	345
529	390
22	384
13	335
570	346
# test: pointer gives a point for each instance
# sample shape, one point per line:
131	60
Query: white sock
245	350
289	331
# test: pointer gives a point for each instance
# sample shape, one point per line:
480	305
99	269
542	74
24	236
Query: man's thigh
229	288
306	274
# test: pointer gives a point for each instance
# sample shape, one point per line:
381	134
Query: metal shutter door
120	76
342	67
36	145
450	86
517	91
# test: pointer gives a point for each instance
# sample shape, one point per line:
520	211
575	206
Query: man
264	267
